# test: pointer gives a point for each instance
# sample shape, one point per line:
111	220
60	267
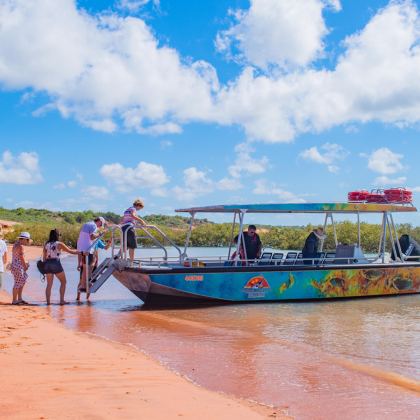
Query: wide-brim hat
25	235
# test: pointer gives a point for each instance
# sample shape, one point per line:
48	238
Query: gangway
119	256
101	274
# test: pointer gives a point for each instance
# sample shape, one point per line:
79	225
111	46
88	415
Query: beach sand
48	372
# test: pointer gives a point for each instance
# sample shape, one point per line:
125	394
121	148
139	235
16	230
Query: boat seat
265	258
277	258
290	258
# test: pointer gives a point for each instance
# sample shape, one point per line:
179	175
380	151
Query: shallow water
332	359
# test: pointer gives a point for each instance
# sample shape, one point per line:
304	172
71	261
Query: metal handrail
145	228
92	246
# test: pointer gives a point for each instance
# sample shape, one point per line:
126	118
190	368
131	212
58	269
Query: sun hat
24	235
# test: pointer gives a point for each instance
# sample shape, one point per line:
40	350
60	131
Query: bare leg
131	253
62	277
50	279
20	290
15	295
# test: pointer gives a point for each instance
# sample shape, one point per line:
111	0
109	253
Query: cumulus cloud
385	162
63	185
245	163
110	72
103	70
144	175
133	6
21	169
375	79
196	183
385	181
286	33
329	155
96	192
264	187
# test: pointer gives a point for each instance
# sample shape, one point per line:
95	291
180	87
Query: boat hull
259	284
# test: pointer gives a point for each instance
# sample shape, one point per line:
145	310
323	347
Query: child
19	267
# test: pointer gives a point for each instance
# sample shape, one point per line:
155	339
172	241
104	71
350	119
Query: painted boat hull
265	284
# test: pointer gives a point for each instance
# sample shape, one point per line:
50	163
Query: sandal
22	302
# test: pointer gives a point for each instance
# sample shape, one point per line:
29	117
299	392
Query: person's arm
44	254
5	257
65	248
21	255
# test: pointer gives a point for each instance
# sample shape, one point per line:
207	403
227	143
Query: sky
187	103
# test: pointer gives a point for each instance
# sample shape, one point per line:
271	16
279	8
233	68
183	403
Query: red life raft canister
399	195
357	196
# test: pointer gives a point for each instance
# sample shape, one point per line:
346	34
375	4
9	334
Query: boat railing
223	261
145	232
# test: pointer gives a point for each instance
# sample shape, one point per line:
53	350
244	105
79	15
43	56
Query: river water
349	359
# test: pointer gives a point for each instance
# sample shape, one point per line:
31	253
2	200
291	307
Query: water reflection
326	359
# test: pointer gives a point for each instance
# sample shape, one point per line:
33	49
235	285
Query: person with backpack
52	264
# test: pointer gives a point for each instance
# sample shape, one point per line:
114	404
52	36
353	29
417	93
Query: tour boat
344	272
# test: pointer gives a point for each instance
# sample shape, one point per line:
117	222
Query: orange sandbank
50	372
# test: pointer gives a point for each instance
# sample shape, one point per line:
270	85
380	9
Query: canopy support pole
231	235
187	239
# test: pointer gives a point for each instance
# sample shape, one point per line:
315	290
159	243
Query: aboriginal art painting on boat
343	272
299	284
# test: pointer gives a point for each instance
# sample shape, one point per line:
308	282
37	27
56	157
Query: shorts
131	236
53	266
90	257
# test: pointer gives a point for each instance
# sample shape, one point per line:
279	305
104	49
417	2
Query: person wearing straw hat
19	267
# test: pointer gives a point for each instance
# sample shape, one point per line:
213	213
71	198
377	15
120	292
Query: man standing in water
88	233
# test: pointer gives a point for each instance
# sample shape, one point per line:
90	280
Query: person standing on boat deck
310	249
51	257
128	221
253	244
3	257
88	233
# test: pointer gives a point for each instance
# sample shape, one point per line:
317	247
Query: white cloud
245	163
103	70
415	189
330	154
133	6
22	169
264	187
110	72
96	192
229	184
285	33
196	183
384	181
144	175
384	161
375	79
63	185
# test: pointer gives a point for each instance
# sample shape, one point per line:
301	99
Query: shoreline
50	371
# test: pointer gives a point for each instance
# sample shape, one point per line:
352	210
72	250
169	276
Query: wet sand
48	371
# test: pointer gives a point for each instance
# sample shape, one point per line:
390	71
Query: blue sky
196	103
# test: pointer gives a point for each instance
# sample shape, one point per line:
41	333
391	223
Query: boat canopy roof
302	208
